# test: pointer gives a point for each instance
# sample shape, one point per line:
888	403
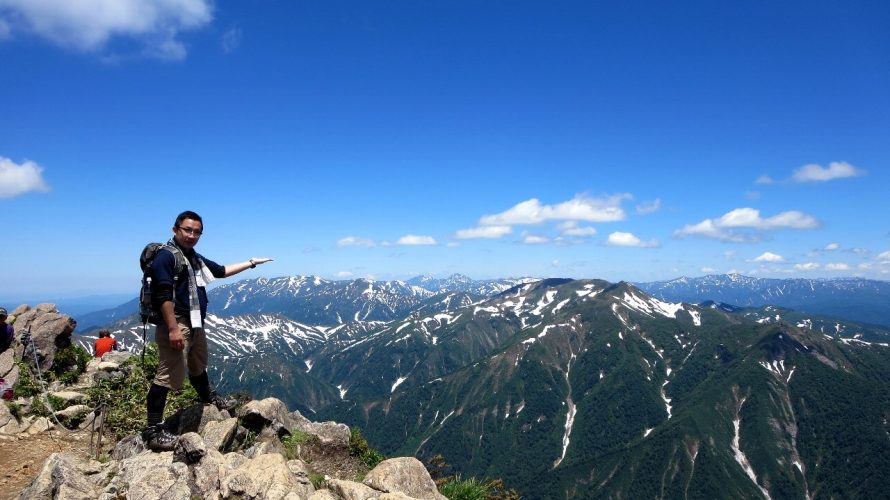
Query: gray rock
264	448
349	490
220	435
64	476
208	474
7	361
39	425
49	331
128	447
403	475
234	460
8	422
153	475
69	397
12	376
195	417
260	414
189	448
327	432
323	495
266	476
301	474
72	412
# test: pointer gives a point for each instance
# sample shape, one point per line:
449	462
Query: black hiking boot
158	438
222	403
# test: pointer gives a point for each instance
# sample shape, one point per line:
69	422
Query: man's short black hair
188	214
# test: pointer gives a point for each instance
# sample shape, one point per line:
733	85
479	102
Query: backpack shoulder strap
179	257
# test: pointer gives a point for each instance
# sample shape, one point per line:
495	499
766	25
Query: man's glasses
188	230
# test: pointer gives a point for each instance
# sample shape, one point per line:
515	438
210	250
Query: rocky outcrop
199	466
42	329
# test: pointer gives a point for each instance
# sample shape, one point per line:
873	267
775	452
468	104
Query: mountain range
589	388
856	299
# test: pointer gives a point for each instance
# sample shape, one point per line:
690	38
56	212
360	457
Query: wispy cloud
832	247
622	239
884	256
726	227
88	25
535	239
344	274
765	179
486	232
18	179
837	266
579	208
769	257
411	239
231	40
649	207
817	173
806	266
354	241
571	228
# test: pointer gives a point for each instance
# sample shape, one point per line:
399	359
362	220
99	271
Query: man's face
187	233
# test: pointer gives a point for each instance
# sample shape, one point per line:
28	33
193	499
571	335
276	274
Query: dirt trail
22	457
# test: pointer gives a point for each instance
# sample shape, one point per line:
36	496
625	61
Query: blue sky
619	140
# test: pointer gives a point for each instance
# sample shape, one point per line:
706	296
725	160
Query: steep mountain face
600	390
851	298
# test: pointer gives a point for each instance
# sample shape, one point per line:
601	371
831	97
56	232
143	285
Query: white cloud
410	239
622	239
534	239
884	256
579	208
725	228
20	179
488	232
649	207
752	195
708	270
353	241
817	173
88	25
806	266
344	274
837	266
571	228
765	179
769	257
832	247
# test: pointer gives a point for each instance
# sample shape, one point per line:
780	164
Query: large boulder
327	432
64	476
8	423
266	476
405	475
44	329
269	412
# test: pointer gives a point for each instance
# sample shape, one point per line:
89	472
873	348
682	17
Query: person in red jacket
104	343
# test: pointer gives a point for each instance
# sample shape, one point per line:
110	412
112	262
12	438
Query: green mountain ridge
654	401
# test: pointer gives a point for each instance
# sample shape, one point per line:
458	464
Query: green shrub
68	363
293	441
464	489
317	480
358	447
27	385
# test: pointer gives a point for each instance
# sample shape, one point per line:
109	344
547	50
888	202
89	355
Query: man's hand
177	341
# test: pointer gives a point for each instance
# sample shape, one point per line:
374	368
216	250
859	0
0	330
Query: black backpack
147	311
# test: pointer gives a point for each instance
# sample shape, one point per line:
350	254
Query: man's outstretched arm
232	269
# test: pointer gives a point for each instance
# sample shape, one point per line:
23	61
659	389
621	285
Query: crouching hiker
180	276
